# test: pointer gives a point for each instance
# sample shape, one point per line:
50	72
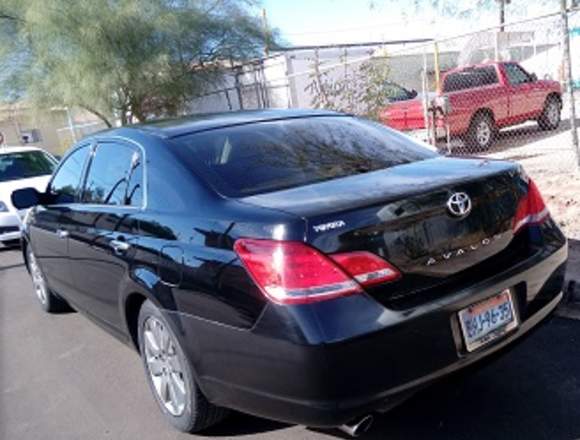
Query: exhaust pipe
358	426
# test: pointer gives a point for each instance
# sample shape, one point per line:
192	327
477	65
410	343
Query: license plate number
487	320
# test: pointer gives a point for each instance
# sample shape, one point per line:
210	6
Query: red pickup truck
482	99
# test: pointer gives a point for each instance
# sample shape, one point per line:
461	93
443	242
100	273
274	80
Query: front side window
25	165
66	182
516	75
268	156
115	176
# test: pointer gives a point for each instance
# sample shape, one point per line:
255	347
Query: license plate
487	320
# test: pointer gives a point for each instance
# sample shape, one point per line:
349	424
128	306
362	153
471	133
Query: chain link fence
499	92
504	92
67	136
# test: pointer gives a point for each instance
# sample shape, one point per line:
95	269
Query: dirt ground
561	192
548	157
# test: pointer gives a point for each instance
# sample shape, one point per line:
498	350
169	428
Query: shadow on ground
521	136
531	392
526	134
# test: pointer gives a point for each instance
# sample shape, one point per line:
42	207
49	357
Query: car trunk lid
402	215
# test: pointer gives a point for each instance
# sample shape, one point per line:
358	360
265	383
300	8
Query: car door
49	231
523	93
105	232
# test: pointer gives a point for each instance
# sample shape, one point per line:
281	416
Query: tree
125	59
361	89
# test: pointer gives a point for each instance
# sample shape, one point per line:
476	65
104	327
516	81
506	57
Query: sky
313	22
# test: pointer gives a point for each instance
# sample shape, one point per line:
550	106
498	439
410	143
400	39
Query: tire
181	401
551	114
481	133
50	302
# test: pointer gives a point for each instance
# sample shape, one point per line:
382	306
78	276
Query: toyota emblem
459	204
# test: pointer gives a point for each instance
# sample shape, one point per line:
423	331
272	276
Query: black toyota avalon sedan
304	266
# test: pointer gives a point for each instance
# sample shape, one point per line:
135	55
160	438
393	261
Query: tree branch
98	115
5	16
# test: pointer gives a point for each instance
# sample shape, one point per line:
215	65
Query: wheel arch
555	95
482	111
136	288
132	305
24	249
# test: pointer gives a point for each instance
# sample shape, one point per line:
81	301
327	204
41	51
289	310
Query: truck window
470	78
516	75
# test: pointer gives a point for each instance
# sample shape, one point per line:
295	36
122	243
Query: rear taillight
531	209
368	269
291	272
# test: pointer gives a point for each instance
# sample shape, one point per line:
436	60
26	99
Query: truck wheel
481	133
550	117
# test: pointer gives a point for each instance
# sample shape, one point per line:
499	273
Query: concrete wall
51	125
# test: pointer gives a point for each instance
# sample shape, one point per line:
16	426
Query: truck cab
483	99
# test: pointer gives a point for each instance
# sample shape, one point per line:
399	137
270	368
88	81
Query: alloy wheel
483	133
164	366
553	113
37	278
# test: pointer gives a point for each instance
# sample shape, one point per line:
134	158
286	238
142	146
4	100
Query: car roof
168	128
18	149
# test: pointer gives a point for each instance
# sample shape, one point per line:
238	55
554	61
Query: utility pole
266	31
568	78
502	4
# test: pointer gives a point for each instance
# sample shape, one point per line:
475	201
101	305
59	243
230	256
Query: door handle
119	246
62	233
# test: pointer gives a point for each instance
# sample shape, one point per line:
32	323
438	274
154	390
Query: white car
20	167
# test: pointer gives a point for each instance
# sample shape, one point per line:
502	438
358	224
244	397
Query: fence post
436	66
71	125
425	95
238	87
568	78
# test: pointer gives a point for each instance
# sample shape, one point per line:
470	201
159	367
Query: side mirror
25	198
413	93
534	77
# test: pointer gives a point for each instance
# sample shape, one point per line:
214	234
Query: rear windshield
23	165
269	156
470	78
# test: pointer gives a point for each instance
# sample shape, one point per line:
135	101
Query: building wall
52	126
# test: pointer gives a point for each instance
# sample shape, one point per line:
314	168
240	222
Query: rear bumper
329	382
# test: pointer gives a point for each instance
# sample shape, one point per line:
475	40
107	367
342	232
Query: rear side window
470	78
67	180
115	176
268	156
